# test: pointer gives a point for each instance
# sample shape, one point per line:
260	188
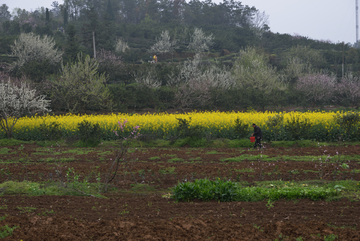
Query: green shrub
240	143
6	231
347	121
241	129
90	134
220	190
206	190
185	130
298	128
51	131
275	123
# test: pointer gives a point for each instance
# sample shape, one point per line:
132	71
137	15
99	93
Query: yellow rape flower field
221	124
165	121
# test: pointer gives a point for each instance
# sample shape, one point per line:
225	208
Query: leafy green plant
241	129
269	204
186	130
274	123
26	209
347	120
297	127
206	190
330	237
6	231
89	133
51	131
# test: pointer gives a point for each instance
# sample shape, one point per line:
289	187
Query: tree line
96	55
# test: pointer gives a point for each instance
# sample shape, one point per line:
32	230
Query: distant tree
256	79
47	17
30	47
121	46
17	101
106	33
199	42
259	23
194	83
307	55
163	44
66	16
110	64
318	89
81	87
348	90
4	13
110	11
56	10
72	46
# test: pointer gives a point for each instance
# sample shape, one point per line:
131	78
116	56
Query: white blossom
121	46
163	44
18	101
200	42
31	47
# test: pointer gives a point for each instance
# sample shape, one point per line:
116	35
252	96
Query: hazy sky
332	20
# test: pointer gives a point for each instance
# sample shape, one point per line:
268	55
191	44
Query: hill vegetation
209	56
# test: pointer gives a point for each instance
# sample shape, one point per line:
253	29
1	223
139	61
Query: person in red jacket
258	135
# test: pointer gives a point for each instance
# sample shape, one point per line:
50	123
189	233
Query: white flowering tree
17	101
30	47
195	82
256	79
121	46
200	42
163	44
317	88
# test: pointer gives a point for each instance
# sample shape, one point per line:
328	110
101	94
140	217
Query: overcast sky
332	20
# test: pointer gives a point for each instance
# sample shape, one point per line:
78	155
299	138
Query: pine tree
72	45
47	16
66	16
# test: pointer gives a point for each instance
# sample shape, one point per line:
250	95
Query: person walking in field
258	135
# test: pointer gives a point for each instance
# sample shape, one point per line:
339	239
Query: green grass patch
220	190
176	159
244	170
6	231
167	170
12	142
240	143
52	143
52	159
195	159
154	158
213	152
142	188
105	153
79	151
50	188
4	151
245	157
26	209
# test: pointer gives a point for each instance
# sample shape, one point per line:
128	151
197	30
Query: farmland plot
138	203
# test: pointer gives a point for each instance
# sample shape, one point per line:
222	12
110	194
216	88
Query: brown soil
149	216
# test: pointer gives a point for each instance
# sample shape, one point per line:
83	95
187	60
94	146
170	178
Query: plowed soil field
130	214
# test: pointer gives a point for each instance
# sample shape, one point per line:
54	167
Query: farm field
137	207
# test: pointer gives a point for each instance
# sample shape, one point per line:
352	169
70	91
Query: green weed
154	158
6	231
244	170
176	159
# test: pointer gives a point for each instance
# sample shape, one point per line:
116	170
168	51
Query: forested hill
105	55
233	24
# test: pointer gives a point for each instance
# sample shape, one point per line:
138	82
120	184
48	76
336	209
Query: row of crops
320	126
